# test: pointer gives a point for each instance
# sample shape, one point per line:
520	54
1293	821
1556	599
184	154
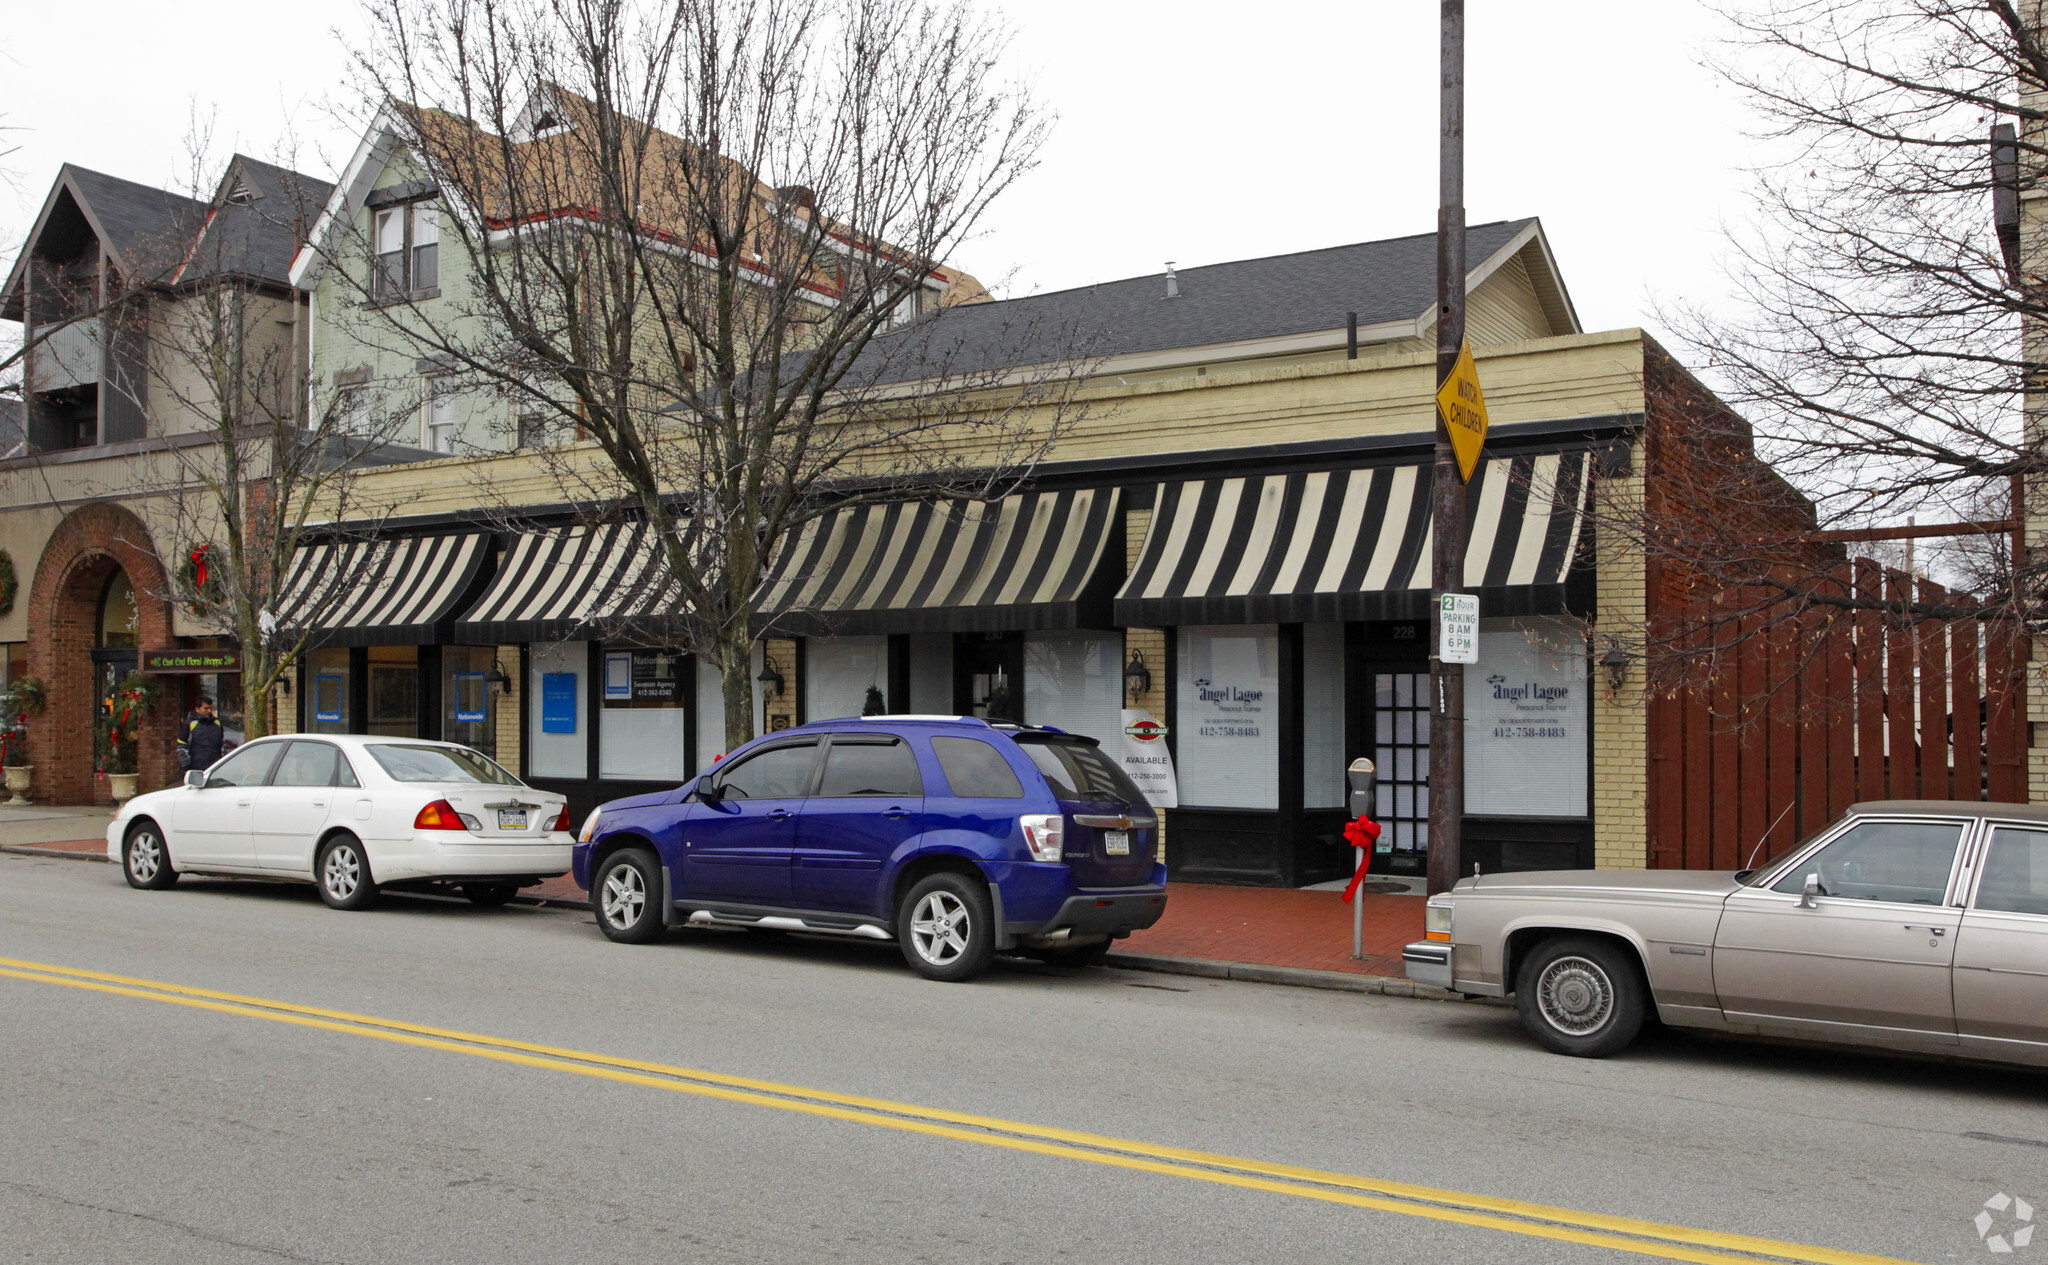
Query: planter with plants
20	700
118	734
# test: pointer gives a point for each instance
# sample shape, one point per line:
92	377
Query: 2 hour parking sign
1458	628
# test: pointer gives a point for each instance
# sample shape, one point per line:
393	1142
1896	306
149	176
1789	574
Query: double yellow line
1626	1234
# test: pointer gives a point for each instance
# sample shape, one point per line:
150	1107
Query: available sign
1458	628
1146	759
167	662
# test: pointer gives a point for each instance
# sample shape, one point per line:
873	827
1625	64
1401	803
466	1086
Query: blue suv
954	837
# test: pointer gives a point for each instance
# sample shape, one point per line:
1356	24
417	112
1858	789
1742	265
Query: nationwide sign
1463	408
165	662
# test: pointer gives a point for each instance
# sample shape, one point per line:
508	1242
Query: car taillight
441	815
1046	833
562	820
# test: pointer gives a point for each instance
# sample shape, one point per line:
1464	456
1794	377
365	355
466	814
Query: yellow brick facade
1620	776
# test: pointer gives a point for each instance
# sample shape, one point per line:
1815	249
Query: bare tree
1888	324
722	358
247	462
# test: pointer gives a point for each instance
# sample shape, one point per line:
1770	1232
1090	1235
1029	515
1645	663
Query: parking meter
1364	778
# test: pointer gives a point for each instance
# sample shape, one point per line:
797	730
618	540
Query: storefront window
327	692
931	674
1075	681
1229	715
117	622
1322	715
558	745
641	735
395	691
468	701
838	672
1526	723
13	661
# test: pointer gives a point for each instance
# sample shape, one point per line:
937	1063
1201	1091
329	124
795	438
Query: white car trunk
507	814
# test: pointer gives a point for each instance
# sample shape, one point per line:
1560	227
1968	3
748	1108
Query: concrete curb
1295	976
62	854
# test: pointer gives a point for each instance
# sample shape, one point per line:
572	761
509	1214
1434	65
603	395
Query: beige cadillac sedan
1912	924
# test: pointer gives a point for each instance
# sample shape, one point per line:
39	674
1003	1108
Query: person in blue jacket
202	740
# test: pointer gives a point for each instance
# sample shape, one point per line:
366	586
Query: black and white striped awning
576	582
1353	544
1032	560
393	592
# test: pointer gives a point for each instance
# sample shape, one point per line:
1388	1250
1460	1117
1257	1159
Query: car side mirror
1808	893
195	778
708	792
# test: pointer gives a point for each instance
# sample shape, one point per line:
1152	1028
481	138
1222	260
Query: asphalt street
428	1082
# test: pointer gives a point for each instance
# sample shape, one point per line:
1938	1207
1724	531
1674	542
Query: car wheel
626	896
342	873
946	927
490	895
1581	996
146	860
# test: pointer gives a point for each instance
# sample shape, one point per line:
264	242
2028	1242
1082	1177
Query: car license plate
1116	842
511	819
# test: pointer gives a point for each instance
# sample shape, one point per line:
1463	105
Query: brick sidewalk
1261	926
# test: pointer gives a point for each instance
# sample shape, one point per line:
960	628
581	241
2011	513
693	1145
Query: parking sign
1458	628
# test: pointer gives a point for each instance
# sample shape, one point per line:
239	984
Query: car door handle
777	814
243	803
1940	931
896	812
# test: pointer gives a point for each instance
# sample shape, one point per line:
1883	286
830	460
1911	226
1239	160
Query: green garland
9	585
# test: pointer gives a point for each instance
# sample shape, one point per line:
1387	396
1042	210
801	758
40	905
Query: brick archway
63	612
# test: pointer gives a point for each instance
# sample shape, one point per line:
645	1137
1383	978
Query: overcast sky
1196	132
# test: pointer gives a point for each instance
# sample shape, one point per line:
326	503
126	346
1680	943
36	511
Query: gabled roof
152	235
1223	306
260	216
140	227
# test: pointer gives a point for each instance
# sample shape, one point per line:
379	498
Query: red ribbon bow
1362	834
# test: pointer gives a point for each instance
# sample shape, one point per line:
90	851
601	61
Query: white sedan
348	813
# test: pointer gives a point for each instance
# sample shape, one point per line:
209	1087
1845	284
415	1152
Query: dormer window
407	242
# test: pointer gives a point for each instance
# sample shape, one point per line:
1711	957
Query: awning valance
571	582
391	592
1031	560
1353	544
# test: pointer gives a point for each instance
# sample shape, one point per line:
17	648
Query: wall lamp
770	679
496	676
1137	677
1616	661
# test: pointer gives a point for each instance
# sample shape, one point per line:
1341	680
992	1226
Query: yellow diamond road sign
1464	411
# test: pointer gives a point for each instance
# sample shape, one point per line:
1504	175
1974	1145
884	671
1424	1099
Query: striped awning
1032	560
576	582
393	592
1353	544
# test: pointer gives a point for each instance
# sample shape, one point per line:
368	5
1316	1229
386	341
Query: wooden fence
1791	719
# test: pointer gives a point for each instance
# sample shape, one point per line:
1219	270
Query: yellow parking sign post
1463	406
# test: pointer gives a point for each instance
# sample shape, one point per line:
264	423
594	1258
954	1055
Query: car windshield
1077	769
439	764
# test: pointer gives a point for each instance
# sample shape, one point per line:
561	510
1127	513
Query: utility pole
1447	487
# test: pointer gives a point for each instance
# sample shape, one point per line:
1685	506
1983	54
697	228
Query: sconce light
1616	661
496	676
284	684
1137	677
770	679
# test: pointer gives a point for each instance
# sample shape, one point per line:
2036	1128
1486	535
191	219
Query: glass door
1400	728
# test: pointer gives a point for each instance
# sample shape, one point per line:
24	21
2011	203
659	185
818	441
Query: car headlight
589	826
1437	917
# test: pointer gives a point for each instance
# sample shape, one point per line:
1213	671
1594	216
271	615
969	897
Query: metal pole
1447	492
1358	910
